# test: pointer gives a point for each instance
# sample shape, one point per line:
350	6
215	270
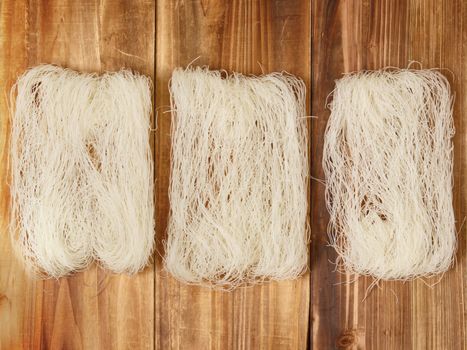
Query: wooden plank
15	307
234	35
93	309
352	35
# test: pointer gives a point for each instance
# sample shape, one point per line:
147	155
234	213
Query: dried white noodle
81	170
388	162
238	187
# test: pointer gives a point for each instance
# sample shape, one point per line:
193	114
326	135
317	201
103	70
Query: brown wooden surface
352	35
92	309
241	36
315	39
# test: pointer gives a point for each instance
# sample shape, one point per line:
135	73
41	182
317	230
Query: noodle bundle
81	170
388	162
238	187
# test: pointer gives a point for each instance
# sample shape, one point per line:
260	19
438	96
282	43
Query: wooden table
317	40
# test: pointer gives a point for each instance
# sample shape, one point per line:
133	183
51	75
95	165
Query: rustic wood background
315	39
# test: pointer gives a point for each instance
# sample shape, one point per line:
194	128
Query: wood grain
92	309
16	291
315	39
352	35
245	36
